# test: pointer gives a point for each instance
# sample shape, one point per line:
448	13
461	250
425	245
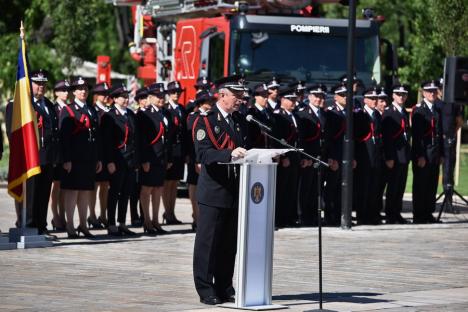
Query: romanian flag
24	155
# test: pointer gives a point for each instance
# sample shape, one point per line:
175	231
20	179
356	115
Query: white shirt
61	103
314	109
80	104
272	103
222	111
292	116
102	106
341	108
120	109
173	105
260	108
45	106
369	110
429	104
398	107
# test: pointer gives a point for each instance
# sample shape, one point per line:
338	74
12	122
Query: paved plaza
369	268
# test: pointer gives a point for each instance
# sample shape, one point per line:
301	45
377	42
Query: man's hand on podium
239	152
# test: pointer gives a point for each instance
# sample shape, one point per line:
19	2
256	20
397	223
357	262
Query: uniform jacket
396	135
265	116
120	138
48	131
311	131
176	135
153	131
427	133
284	128
335	129
368	138
79	136
214	141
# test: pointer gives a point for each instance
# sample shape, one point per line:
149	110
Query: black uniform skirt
192	175
176	172
81	177
103	175
154	177
58	172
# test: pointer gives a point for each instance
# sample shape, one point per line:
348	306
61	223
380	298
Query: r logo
187	43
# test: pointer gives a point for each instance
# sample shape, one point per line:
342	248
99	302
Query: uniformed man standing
273	87
260	112
286	128
47	124
311	138
368	155
120	155
397	153
177	151
220	136
427	153
335	128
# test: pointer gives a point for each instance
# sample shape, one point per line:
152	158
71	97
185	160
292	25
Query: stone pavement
369	268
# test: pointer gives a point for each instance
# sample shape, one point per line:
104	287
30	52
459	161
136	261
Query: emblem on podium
257	192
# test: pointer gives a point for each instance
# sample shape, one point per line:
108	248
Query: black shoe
85	232
159	230
211	300
137	223
150	231
228	299
124	230
401	220
112	230
194	226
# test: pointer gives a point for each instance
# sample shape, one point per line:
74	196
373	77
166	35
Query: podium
256	226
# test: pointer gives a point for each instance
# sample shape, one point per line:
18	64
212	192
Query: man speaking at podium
220	137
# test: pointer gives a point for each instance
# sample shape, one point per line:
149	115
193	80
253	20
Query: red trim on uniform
401	130
125	137
160	133
83	124
193	127
369	135
227	140
340	132
317	134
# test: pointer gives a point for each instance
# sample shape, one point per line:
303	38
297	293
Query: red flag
24	155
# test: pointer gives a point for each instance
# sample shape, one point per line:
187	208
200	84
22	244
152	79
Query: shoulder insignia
201	134
301	109
276	111
418	105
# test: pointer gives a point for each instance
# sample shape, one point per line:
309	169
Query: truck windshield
303	56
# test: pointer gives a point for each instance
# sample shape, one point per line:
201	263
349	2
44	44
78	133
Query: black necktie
230	121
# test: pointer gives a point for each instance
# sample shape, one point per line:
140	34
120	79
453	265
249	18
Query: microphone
250	118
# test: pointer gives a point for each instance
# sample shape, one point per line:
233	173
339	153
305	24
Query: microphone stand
318	164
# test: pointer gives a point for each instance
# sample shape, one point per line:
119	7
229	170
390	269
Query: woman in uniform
152	127
61	90
79	147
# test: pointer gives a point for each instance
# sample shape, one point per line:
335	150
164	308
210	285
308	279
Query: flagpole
23	203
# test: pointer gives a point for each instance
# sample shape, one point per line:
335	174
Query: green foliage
57	31
425	32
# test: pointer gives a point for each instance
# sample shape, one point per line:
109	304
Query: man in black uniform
47	124
397	153
178	150
220	136
273	87
202	84
311	134
368	155
260	112
335	128
427	153
118	127
286	128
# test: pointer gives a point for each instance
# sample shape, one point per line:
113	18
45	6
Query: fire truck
185	39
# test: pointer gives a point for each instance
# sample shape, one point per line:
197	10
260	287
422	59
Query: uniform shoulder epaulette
301	109
276	111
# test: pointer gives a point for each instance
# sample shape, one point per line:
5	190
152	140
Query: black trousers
120	186
425	182
38	194
366	192
332	197
215	251
286	194
396	179
308	201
